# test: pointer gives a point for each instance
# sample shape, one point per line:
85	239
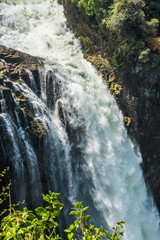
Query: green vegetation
42	223
127	121
81	227
85	41
22	99
87	44
36	125
127	26
23	104
101	63
38	128
116	89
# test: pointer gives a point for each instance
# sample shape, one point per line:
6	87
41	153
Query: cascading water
88	156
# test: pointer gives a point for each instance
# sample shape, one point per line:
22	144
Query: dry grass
155	44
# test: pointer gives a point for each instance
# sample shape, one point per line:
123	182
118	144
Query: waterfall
87	155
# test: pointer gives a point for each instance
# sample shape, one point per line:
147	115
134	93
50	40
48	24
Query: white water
105	166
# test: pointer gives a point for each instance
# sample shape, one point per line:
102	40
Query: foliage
115	61
21	99
126	25
5	196
4	191
87	44
42	225
144	56
93	7
153	25
81	228
127	121
101	63
38	128
116	89
26	225
152	9
128	28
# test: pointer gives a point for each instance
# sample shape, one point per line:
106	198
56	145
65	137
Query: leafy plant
26	225
125	25
81	228
42	223
4	191
144	56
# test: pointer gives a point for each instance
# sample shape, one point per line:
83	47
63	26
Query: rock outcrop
17	72
14	64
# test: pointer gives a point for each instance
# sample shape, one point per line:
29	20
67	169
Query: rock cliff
137	94
16	72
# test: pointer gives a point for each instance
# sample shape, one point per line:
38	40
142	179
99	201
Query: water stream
89	156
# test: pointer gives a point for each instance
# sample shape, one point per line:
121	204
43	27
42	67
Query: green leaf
46	198
76	213
67	230
84	209
70	235
54	195
78	205
21	231
86	218
31	216
73	213
71	227
40	211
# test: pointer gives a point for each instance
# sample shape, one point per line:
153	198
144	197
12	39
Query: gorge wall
138	96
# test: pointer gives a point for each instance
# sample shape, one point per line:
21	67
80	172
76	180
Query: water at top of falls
110	174
40	30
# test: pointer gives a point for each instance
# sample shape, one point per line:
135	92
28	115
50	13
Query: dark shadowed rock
9	84
1	81
140	101
12	58
9	100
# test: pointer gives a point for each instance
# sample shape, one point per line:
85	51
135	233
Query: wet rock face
141	101
14	67
17	115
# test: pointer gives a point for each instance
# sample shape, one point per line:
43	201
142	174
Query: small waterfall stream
87	155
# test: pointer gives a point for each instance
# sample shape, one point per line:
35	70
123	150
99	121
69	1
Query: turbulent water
89	156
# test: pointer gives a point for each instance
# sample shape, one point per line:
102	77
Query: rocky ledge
13	64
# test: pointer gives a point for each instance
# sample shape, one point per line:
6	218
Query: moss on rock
38	128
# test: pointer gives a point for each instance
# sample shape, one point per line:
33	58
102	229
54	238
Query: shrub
124	24
144	56
42	224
